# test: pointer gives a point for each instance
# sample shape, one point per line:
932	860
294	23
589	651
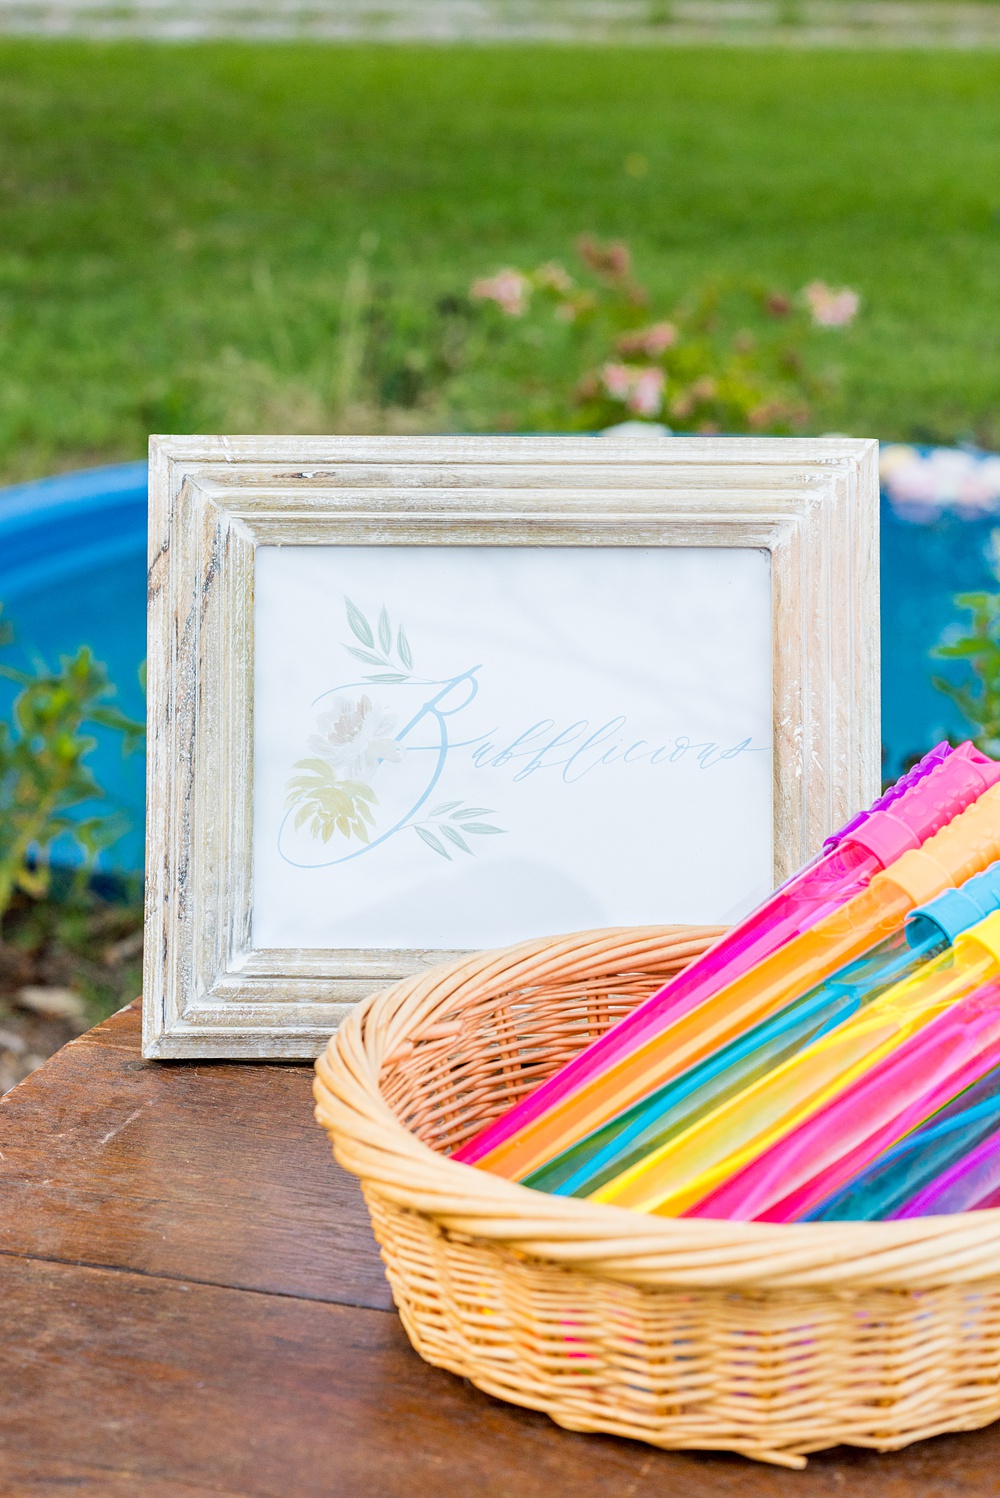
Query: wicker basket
769	1340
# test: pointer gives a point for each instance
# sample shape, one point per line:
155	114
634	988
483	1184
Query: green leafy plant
329	804
43	771
977	645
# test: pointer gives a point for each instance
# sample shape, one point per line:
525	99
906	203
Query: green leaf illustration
439	811
388	676
479	827
454	836
330	805
320	767
471	811
432	842
403	649
364	655
359	624
384	631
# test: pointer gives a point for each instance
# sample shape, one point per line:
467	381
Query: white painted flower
355	736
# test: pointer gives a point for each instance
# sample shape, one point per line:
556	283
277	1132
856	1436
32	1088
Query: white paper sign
460	747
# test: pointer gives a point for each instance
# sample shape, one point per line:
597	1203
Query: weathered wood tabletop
191	1303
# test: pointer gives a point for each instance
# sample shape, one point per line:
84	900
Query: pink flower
767	414
611	260
640	388
617	381
508	288
647	392
649	341
662	335
829	308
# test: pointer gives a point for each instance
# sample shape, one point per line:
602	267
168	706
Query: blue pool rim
58	528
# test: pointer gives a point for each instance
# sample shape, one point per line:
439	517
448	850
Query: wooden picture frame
810	504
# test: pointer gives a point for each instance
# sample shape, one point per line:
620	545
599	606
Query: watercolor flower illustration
356	736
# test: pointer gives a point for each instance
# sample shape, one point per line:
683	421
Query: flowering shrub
729	357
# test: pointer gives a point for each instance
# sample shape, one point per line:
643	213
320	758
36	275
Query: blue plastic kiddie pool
73	572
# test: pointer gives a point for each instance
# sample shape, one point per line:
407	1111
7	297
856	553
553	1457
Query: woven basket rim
373	1143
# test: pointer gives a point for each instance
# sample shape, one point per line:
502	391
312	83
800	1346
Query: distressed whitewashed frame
811	503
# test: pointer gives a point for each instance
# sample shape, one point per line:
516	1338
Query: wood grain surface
214	1172
191	1303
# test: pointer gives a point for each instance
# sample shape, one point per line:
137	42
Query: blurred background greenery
248	237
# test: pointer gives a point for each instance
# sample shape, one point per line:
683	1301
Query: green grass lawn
177	226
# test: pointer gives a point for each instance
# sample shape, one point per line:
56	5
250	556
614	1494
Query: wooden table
191	1303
